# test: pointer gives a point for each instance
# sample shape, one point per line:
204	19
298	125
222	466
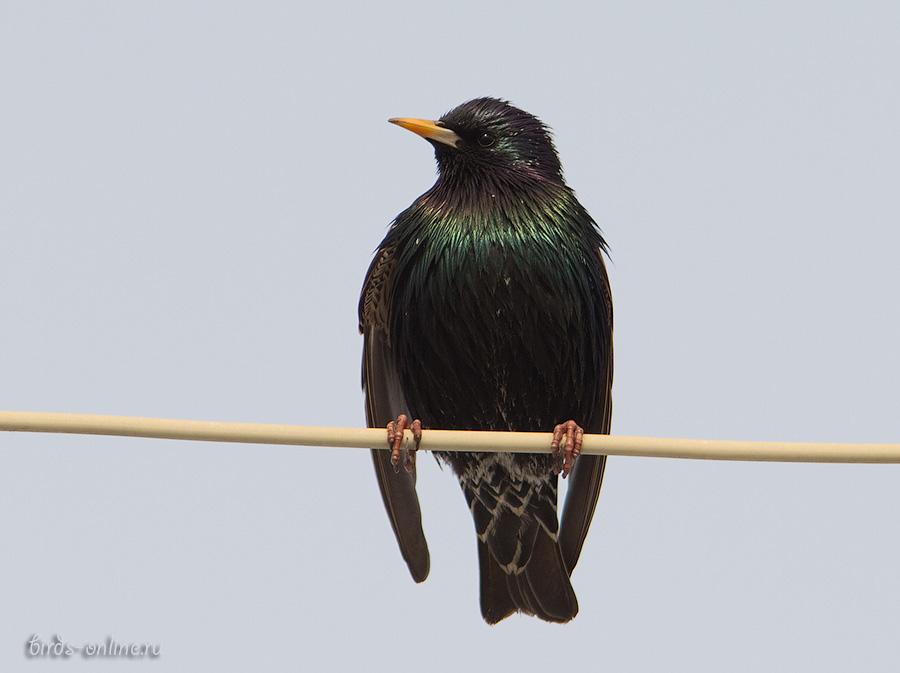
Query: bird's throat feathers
463	236
498	204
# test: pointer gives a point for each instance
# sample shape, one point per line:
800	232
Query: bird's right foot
395	438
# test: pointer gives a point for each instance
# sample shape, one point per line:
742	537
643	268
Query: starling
487	307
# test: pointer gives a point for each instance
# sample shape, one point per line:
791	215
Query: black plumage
487	307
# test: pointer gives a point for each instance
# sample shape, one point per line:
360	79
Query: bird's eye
487	139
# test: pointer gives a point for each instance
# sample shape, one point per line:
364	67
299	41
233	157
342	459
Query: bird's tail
521	563
541	588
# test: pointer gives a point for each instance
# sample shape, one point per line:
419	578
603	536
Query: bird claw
395	438
572	447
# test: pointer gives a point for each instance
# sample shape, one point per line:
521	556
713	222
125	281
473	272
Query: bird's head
489	136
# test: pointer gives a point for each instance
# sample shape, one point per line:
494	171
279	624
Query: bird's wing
587	475
384	402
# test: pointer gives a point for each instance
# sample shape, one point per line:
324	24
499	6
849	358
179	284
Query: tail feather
521	562
548	580
541	589
496	601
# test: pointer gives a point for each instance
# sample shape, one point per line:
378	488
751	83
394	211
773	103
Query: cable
445	440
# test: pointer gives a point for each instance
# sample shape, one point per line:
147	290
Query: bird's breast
491	331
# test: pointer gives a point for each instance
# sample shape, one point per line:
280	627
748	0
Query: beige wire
449	440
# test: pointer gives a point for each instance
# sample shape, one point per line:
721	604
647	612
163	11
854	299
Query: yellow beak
427	129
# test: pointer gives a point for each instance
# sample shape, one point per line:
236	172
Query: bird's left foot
395	437
571	449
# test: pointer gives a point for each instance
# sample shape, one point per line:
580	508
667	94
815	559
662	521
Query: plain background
190	195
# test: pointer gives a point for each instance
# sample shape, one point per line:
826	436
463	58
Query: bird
487	306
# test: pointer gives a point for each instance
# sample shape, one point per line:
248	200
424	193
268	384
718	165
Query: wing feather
587	475
385	402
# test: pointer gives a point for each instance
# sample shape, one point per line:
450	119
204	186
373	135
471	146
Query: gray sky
191	194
